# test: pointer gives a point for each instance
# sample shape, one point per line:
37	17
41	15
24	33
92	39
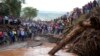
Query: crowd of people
30	30
44	27
14	35
8	34
70	17
9	20
88	7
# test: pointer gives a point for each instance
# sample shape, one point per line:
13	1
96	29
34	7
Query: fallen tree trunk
79	28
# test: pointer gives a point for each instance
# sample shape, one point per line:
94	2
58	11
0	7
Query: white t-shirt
22	33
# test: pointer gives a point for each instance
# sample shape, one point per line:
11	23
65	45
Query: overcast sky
55	5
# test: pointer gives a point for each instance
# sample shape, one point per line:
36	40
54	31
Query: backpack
1	34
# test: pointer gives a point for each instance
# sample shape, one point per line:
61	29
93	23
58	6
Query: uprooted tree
84	37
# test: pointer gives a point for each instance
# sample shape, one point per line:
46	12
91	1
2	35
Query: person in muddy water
22	34
15	34
12	37
30	33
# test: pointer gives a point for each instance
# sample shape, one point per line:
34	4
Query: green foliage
4	9
29	12
14	6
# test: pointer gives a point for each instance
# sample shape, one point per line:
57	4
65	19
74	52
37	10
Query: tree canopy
14	6
29	12
4	9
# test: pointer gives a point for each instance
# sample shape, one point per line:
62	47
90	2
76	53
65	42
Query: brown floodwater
14	52
33	51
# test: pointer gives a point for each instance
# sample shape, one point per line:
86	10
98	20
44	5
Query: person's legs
16	38
13	39
59	30
30	35
6	21
5	40
42	31
54	31
11	23
1	40
20	38
0	22
23	38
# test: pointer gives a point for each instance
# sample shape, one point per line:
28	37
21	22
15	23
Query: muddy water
35	51
42	50
16	52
